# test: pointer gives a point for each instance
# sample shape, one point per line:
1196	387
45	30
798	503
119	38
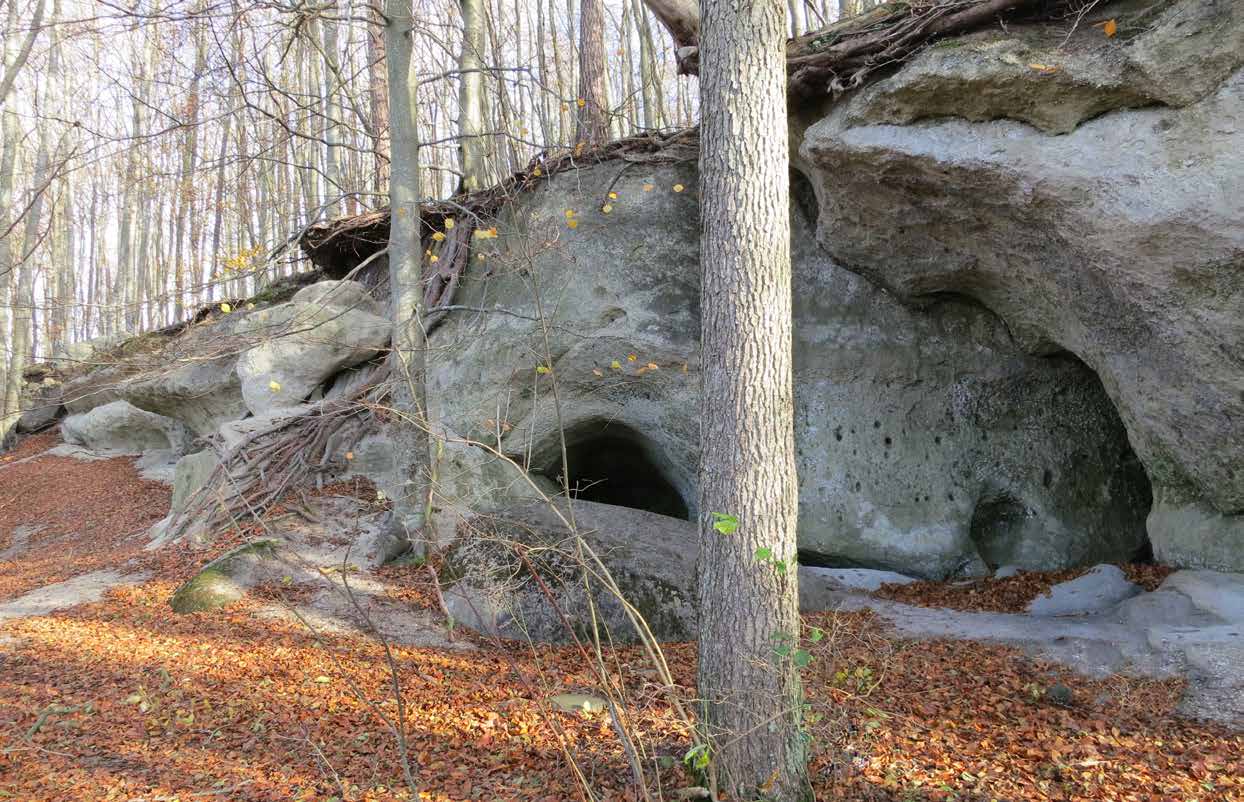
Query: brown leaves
234	705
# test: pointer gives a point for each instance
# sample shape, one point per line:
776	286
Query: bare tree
593	98
472	147
410	435
748	598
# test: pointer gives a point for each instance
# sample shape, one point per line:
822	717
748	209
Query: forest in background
162	155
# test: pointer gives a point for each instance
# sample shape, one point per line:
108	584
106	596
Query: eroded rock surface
928	442
305	342
122	428
1119	240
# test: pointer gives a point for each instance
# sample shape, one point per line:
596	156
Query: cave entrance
613	464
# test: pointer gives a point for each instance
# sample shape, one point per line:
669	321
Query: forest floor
118	698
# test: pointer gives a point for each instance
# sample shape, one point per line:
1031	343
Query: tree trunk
378	88
409	432
593	97
472	146
748	598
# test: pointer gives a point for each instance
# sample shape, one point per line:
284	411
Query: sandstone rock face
304	342
41	405
928	442
650	557
122	428
190	475
1119	240
339	295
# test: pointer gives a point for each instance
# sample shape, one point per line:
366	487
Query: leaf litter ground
122	699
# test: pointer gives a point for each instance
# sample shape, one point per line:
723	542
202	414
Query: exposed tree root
258	472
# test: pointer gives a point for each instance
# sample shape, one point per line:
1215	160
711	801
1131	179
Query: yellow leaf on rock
542	369
616	365
438	236
449	224
581	102
434	259
573	223
679	187
607	208
226	308
274	386
536	172
613	196
631	357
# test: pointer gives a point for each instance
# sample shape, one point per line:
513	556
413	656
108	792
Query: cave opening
612	464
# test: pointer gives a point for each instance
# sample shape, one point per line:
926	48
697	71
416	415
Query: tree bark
472	147
751	715
378	88
409	432
593	97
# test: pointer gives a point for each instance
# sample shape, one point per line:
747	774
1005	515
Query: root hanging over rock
281	454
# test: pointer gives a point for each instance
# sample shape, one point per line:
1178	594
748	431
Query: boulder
300	345
490	589
200	392
190	475
339	295
1095	591
226	579
41	405
928	442
1118	240
122	428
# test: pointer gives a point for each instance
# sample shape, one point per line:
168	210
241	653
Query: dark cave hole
614	468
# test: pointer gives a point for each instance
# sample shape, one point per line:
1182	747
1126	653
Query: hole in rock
613	464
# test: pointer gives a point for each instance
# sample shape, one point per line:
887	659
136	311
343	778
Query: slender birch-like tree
409	432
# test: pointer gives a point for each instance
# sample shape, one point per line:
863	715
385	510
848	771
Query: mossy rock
224	580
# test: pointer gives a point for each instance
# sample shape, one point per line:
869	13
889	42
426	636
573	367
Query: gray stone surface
1195	535
189	476
339	295
1162	56
122	428
41	405
650	557
86	351
300	346
61	595
1179	629
928	443
1097	590
1118	241
852	578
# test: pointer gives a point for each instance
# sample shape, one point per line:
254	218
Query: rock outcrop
122	428
1088	225
928	442
327	327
